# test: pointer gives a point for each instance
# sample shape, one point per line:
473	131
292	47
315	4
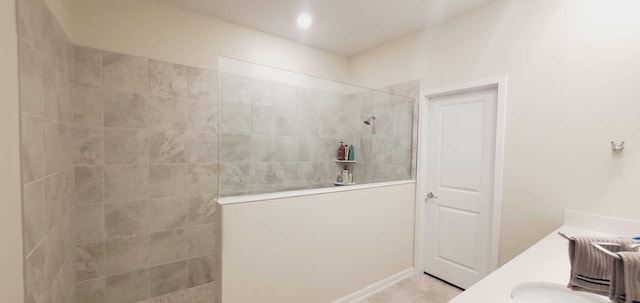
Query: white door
459	178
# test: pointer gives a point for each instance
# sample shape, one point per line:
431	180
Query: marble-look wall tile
125	73
127	287
202	240
89	184
263	120
200	294
168	79
31	138
202	147
87	66
36	283
167	213
46	44
202	209
203	179
126	183
167	246
31	67
202	115
248	91
86	103
166	113
57	147
202	84
126	254
168	180
308	172
124	109
57	197
201	270
87	146
125	146
88	223
168	146
235	119
233	177
89	261
234	148
168	278
126	218
91	291
33	206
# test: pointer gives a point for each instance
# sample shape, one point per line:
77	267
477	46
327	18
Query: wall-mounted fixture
617	147
370	119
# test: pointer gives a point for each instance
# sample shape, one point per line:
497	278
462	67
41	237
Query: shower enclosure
281	131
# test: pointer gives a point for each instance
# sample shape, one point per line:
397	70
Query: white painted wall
155	30
574	74
11	277
315	248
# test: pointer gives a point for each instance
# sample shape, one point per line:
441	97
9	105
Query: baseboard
376	287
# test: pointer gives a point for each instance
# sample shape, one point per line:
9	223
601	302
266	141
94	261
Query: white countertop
546	261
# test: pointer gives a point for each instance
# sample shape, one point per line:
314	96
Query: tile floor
415	289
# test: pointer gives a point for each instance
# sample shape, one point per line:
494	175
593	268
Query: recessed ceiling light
304	21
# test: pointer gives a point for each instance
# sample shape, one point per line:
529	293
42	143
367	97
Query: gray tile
89	261
87	106
33	205
87	146
124	109
89	184
202	147
168	180
202	209
203	84
233	177
202	115
201	270
127	287
167	213
167	79
125	73
125	146
203	179
234	148
30	78
32	148
57	197
202	240
89	223
87	66
91	291
168	278
168	146
168	246
126	254
235	119
166	113
57	147
126	183
126	218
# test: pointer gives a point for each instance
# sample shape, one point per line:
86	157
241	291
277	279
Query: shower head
369	120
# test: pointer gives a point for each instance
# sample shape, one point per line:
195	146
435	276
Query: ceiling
346	27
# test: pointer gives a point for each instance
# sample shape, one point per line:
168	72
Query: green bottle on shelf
352	154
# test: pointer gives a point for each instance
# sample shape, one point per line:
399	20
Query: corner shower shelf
343	184
345	161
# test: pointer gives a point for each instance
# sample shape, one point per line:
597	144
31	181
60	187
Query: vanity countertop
545	261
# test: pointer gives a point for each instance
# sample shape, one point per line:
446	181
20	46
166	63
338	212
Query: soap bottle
345	175
339	179
346	151
350	178
352	153
341	151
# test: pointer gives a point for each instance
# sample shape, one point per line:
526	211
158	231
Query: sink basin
538	292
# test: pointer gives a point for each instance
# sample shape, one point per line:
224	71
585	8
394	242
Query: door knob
431	196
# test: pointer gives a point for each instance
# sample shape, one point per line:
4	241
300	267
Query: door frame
500	83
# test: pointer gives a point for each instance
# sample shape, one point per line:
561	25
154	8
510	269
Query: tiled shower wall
47	166
144	135
276	137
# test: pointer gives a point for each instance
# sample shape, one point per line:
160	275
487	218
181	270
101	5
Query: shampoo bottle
341	151
345	175
352	153
350	178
